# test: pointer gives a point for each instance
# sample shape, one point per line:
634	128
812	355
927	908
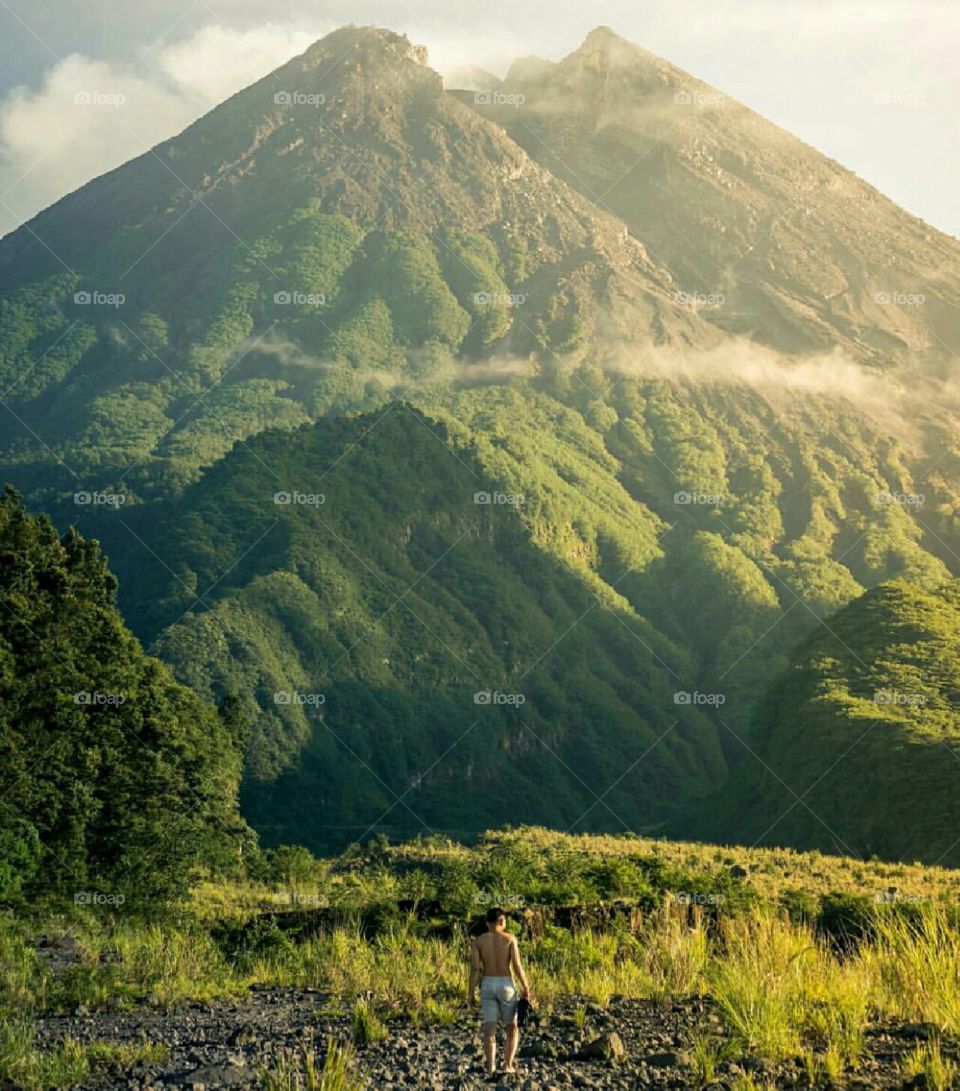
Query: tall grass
300	1070
782	989
404	973
127	964
673	953
24	980
916	963
927	1060
27	1065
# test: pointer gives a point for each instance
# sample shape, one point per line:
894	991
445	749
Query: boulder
608	1047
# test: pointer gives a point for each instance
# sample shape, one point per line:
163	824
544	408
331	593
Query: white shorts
498	1000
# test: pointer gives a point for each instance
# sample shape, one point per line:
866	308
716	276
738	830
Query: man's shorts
498	1000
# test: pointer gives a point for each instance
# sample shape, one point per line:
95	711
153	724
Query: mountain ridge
681	505
705	153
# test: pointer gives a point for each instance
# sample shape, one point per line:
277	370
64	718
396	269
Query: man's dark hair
494	914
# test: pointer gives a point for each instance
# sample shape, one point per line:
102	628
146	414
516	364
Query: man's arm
474	974
517	968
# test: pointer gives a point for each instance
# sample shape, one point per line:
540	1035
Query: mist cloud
90	116
796	382
424	370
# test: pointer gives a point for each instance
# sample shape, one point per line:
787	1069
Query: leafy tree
115	775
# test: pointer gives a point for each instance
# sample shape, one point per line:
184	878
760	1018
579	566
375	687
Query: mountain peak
367	44
616	50
600	55
603	35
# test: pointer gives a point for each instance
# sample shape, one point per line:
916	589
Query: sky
87	84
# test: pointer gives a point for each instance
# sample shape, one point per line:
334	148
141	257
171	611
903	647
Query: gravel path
630	1044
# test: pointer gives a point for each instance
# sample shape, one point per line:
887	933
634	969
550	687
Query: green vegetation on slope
585	586
118	781
863	726
406	652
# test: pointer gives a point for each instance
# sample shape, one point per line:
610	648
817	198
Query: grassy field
800	953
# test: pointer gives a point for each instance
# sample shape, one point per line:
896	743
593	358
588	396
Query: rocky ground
631	1044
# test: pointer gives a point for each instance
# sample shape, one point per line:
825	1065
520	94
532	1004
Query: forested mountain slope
374	410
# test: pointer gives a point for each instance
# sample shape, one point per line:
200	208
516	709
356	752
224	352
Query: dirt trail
229	1044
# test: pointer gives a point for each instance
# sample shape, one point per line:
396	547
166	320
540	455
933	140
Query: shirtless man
497	953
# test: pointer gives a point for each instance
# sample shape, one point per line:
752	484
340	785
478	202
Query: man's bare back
497	953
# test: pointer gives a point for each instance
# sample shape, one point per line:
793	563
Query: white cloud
86	119
90	116
217	61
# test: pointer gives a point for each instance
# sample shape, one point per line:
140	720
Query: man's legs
510	1049
490	1047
